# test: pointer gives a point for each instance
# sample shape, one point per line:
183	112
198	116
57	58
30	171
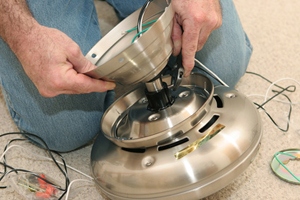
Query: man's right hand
55	63
193	23
52	60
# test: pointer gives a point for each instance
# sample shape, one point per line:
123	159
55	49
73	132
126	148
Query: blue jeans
67	122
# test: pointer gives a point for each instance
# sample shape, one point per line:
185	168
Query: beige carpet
273	28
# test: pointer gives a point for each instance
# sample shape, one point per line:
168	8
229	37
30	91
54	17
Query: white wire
76	170
211	73
260	95
69	187
282	79
7	150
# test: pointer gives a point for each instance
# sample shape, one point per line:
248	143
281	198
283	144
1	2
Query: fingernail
110	85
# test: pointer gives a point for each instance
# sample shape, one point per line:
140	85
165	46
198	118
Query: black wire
290	111
47	148
50	154
253	73
278	93
67	179
4	160
36	175
23	170
260	106
5	166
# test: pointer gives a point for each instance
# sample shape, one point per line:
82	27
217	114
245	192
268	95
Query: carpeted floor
274	30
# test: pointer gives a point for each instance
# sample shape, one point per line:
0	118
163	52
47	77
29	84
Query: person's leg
65	122
227	51
124	7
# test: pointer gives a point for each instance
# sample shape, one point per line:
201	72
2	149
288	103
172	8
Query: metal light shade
126	62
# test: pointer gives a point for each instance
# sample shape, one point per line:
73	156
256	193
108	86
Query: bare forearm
16	22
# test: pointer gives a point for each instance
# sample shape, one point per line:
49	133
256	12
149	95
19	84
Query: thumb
79	62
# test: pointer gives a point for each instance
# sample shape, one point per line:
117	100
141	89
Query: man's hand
51	59
55	64
193	23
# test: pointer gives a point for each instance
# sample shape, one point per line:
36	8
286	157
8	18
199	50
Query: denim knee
228	50
65	123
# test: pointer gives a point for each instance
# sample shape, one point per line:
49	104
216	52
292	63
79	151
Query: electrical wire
36	175
5	167
264	78
4	160
70	167
140	18
139	34
66	191
3	154
210	72
274	84
285	102
266	96
271	98
289	114
67	194
44	143
130	30
291	88
64	172
274	122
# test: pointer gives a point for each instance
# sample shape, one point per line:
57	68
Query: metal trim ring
165	132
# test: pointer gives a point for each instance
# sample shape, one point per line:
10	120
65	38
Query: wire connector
38	186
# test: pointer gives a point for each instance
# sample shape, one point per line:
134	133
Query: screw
154	117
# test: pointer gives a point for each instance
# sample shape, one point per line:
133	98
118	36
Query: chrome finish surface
128	122
154	86
118	59
227	137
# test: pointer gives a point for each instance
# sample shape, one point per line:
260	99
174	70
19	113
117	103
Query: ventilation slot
174	144
219	101
134	150
209	124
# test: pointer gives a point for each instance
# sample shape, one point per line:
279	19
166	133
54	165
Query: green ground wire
139	34
283	165
142	25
